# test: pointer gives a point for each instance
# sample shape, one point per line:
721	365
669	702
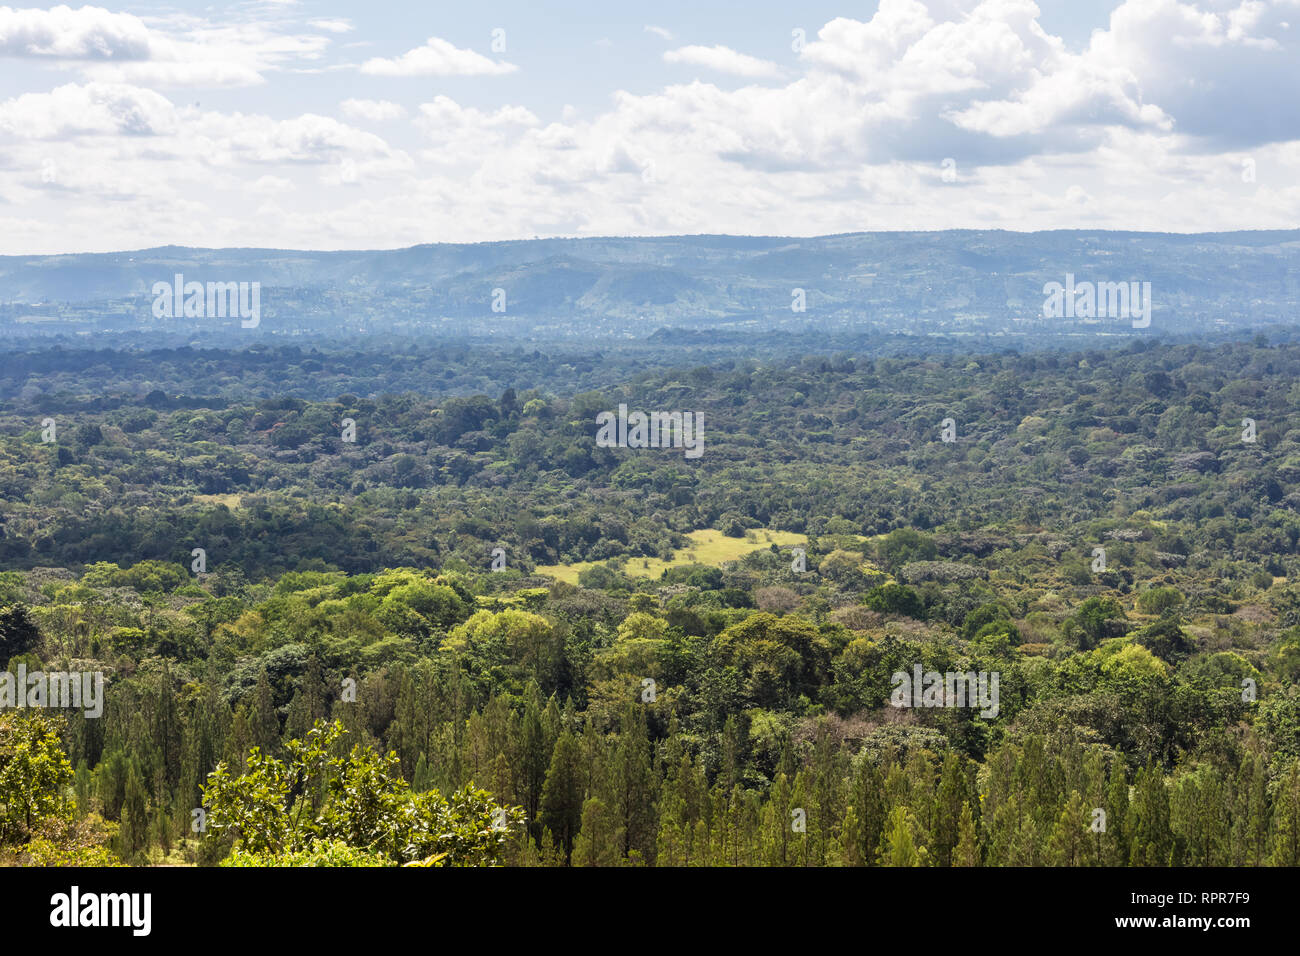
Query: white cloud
724	60
1227	77
271	185
93	109
444	115
90	33
331	25
374	110
1144	126
170	74
467	137
437	58
166	52
308	138
658	31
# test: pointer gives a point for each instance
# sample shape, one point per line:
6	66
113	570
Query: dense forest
440	627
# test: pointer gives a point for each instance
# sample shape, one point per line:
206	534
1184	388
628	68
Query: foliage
277	808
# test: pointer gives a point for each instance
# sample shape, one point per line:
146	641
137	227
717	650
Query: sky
326	125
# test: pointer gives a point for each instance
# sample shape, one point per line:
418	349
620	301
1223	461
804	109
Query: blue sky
343	125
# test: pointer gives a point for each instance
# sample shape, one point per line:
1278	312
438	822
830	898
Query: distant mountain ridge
955	280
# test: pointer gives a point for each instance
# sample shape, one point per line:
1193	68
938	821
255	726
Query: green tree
1096	619
899	847
598	840
1286	815
562	793
283	807
18	632
896	599
34	773
134	835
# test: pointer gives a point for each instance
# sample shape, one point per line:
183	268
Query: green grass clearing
708	546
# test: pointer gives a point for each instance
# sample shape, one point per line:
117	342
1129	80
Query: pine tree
1069	845
1152	839
134	834
264	722
1200	818
1114	840
1251	816
534	757
562	793
83	782
847	847
967	853
950	800
899	847
110	779
167	728
777	834
161	830
679	810
868	801
801	853
826	793
296	720
1286	817
500	783
630	786
733	744
598	842
421	781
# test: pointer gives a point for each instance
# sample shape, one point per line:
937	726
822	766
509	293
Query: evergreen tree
1286	814
1152	840
264	722
562	793
968	852
899	847
134	833
1069	844
599	839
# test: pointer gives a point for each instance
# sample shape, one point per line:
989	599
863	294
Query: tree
598	841
1096	619
1286	812
1068	845
263	719
1166	640
904	545
631	785
18	633
950	800
899	846
562	793
1152	839
134	835
968	850
1157	600
284	807
896	599
34	772
982	615
1114	840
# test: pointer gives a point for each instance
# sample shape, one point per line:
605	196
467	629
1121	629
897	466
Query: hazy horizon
648	237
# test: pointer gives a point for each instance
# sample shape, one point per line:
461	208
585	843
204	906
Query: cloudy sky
326	125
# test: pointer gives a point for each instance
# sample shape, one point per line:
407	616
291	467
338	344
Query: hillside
957	281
